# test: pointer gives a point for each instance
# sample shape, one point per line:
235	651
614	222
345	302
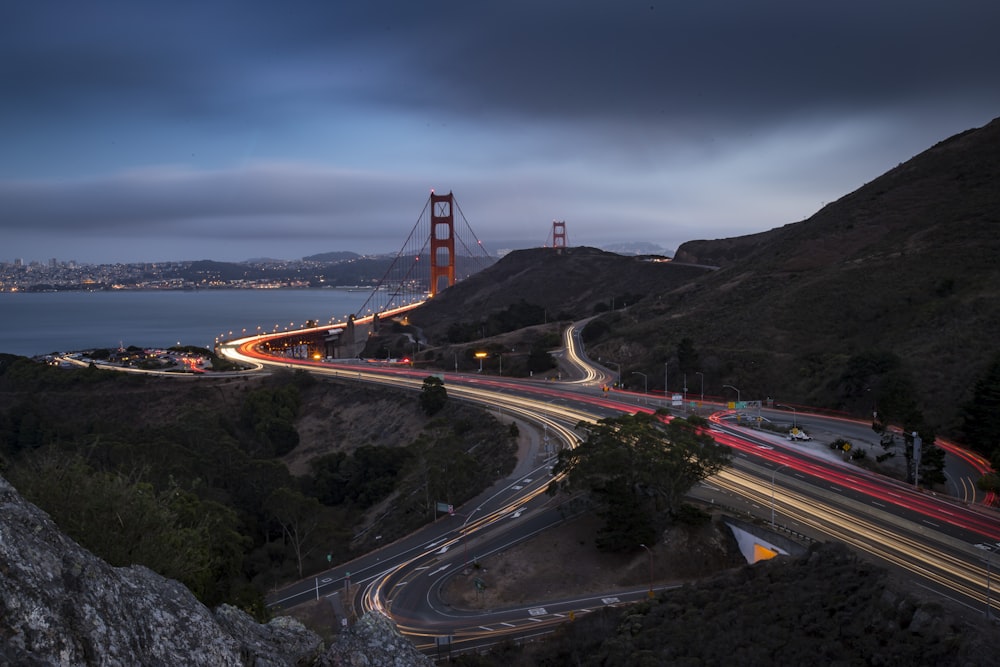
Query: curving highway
929	538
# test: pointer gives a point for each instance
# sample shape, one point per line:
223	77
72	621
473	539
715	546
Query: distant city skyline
151	132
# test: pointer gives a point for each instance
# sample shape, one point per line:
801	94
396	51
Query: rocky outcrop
61	605
374	641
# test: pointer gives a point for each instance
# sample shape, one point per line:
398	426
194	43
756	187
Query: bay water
41	323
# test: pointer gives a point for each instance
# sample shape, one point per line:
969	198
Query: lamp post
794	422
666	380
481	356
702	385
645	383
775	472
990	549
734	389
650	552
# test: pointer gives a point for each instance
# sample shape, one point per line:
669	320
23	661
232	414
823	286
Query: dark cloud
166	197
665	118
698	63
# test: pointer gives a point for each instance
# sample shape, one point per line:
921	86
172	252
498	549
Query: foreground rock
61	605
374	642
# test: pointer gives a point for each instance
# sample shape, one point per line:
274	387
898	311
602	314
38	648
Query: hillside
569	283
825	607
893	284
907	264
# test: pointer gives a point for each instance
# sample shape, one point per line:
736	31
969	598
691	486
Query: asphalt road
930	538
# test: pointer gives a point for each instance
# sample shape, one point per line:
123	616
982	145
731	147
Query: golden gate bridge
440	250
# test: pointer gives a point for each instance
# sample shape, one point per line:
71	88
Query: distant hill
897	282
638	248
337	256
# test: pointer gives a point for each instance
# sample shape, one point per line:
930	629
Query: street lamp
775	472
990	549
734	389
645	382
481	356
666	380
650	552
794	422
702	385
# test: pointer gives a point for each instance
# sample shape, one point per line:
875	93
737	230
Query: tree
272	413
637	469
433	395
896	404
540	360
125	521
299	517
981	415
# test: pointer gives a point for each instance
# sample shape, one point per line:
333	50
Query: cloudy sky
140	130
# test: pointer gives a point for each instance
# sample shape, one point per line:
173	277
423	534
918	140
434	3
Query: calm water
32	324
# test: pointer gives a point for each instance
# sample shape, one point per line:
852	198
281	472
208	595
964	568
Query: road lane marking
537	611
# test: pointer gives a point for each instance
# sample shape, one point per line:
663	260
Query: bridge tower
442	241
559	234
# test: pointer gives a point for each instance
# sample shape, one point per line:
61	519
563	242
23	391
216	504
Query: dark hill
895	283
907	265
570	283
336	256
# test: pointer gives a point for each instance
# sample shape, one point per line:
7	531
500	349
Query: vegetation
823	608
433	395
897	405
190	479
981	415
637	469
515	316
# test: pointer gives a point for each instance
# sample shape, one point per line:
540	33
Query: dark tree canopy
637	470
981	415
433	395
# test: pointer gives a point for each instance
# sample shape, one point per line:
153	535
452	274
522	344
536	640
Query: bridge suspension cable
436	251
